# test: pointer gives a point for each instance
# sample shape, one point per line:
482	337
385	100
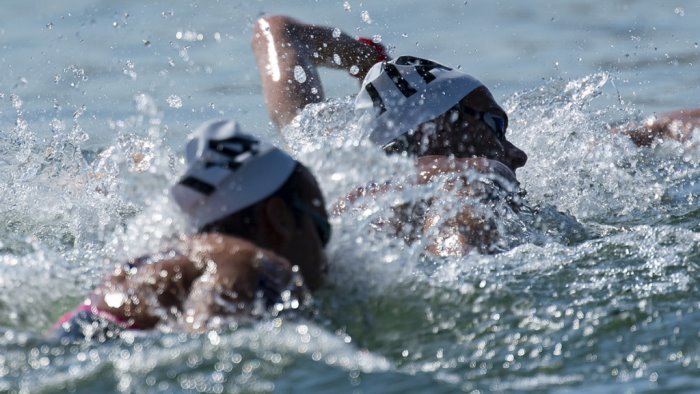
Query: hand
676	125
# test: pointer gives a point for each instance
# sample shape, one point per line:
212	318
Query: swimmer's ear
279	220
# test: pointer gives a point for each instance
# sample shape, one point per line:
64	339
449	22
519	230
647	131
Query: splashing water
593	286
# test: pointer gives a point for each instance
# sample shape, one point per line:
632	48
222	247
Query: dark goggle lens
495	122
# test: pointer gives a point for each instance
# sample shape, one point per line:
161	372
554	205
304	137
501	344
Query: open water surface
596	289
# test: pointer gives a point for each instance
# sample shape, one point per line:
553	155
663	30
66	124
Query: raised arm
289	52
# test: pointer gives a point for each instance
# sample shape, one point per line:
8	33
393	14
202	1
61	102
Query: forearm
288	54
319	45
676	125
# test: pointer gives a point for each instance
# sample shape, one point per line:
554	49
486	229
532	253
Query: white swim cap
227	171
398	95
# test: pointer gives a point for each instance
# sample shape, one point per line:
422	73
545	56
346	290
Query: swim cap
227	171
398	95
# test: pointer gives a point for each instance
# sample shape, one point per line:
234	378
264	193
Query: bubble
174	101
354	69
299	74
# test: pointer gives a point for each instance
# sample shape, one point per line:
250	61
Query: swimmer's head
238	185
227	171
420	107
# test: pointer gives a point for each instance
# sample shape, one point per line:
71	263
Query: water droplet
79	112
377	38
146	43
354	70
174	101
57	126
49	25
336	33
189	36
336	58
16	101
404	35
366	18
679	11
347	7
299	74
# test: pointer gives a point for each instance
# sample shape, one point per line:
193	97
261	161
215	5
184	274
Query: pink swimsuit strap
86	307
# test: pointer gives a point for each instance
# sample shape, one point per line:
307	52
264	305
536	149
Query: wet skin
460	133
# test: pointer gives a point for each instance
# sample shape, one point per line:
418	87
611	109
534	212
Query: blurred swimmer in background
261	229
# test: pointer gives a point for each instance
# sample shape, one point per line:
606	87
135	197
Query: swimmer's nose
516	157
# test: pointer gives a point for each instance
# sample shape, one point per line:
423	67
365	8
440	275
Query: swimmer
261	229
446	120
409	104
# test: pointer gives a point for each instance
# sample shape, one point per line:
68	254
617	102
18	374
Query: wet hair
243	223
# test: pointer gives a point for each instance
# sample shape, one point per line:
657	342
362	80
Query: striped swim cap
228	171
398	95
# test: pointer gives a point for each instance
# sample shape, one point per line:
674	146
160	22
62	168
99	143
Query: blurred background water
597	288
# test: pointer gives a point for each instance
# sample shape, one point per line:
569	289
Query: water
595	290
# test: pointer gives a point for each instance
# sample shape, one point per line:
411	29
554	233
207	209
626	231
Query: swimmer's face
307	243
473	128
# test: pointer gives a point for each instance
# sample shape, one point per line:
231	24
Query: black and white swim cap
398	95
227	171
